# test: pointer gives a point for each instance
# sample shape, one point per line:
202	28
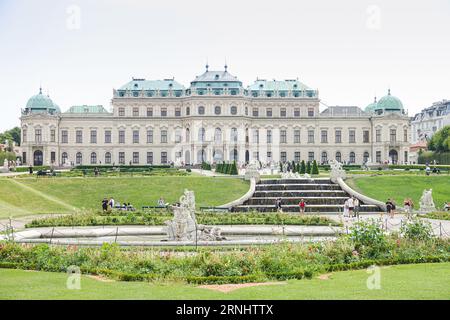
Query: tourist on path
408	204
357	206
278	205
302	205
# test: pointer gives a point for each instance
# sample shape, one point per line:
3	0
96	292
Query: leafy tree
11	135
440	142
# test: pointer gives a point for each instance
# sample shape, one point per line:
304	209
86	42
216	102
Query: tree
308	167
293	167
11	135
440	142
303	167
297	167
315	168
234	170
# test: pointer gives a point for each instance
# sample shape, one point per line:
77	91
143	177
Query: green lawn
401	187
46	195
421	281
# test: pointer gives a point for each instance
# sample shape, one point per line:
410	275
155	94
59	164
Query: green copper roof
87	109
41	103
161	85
216	79
371	107
389	103
273	85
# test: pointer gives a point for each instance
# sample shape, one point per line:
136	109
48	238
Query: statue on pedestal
426	202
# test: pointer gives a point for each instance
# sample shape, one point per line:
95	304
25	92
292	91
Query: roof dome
389	103
41	103
371	107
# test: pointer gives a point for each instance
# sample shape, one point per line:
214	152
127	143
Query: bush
303	167
308	167
417	230
369	236
315	168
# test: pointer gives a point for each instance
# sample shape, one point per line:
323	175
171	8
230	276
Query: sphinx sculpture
184	227
426	202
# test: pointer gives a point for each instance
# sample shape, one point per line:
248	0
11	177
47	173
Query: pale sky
349	50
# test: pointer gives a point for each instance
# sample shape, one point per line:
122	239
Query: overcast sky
349	50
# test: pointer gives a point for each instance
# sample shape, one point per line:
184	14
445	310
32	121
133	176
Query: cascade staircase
321	196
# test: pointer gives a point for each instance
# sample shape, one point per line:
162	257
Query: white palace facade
215	119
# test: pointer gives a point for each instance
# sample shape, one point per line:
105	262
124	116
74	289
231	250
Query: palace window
324	157
366	136
234	135
177	136
135	112
79	158
163	157
121	157
217	110
310	112
311	156
135	157
405	135
324	136
52	135
393	135
24	136
150	136
233	110
121	136
297	156
188	135
255	136
338	136
93	158
338	157
163	112
38	135
188	111
269	136
297	136
201	110
108	157
310	136
163	136
269	156
365	157
255	112
149	157
297	112
108	136
79	136
269	112
351	136
283	112
64	136
378	135
64	157
283	136
352	157
149	112
218	135
201	134
135	136
93	136
177	112
378	157
283	156
121	112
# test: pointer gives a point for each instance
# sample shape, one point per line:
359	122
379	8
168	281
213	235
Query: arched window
201	156
93	158
324	157
338	157
218	135
108	157
79	158
352	157
201	110
188	135
366	157
188	111
201	134
234	135
218	155
64	158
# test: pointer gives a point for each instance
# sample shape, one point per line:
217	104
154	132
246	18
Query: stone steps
321	197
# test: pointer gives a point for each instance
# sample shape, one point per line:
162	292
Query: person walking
302	205
105	204
278	205
357	206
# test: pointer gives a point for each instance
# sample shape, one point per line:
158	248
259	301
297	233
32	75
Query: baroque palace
215	119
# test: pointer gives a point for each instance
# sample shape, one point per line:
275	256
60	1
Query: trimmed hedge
35	168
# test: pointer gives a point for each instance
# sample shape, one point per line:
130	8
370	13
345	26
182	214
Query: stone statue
336	170
252	171
426	202
183	226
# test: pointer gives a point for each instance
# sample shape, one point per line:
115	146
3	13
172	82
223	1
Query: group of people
351	207
109	204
